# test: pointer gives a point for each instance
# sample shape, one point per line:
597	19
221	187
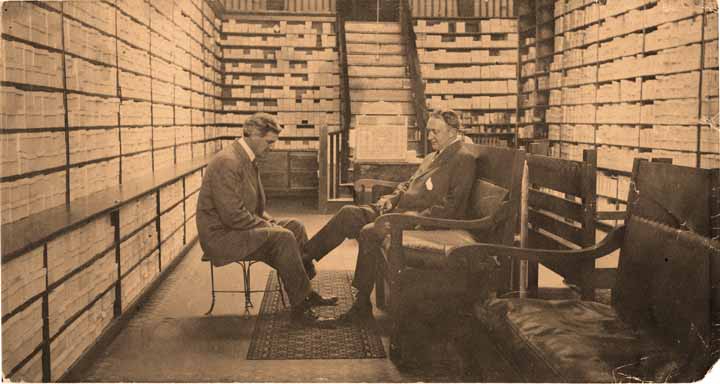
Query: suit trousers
281	251
352	222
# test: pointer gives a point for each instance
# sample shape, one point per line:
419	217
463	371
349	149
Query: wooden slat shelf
25	234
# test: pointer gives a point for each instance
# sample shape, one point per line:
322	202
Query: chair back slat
555	225
556	174
543	241
551	203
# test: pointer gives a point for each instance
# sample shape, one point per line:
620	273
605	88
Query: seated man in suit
233	225
440	188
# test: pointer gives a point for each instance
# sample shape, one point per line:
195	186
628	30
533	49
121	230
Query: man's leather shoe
305	316
357	314
309	268
316	300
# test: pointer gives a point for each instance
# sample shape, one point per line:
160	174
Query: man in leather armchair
233	225
440	188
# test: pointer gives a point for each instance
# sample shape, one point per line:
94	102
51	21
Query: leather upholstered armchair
415	272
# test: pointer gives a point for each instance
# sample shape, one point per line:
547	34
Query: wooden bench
664	299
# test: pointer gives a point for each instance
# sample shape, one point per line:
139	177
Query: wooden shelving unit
120	89
95	95
536	46
285	67
633	79
469	65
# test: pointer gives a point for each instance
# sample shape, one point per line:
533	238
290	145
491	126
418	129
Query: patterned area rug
275	339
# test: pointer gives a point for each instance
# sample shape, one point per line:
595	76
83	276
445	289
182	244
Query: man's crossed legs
351	222
281	251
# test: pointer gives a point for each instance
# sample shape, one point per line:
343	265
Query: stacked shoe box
23	278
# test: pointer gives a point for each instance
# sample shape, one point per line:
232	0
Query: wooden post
527	282
323	169
589	197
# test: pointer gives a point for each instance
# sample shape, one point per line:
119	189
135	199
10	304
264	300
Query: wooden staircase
380	88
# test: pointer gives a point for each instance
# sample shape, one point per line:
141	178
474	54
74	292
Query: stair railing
330	166
343	149
415	74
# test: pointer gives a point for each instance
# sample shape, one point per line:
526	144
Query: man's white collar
247	149
455	140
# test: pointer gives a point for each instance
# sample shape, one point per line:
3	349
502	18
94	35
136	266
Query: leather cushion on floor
428	249
574	341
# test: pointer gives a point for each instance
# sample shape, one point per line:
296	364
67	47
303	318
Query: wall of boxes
99	93
631	79
96	94
286	66
315	6
463	8
470	65
60	296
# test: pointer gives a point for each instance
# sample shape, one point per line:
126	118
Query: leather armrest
404	221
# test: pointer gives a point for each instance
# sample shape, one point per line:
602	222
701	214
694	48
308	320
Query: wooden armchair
414	269
664	293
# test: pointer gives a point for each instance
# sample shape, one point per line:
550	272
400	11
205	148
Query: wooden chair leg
380	285
246	283
281	290
212	289
533	279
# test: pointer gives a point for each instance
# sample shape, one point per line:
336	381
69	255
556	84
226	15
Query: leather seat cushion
574	341
428	249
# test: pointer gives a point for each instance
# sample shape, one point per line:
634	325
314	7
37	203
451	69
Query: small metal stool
245	264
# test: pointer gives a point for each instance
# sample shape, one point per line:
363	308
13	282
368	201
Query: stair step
383	38
379	83
364	26
375	72
382	119
381	108
392	49
379	60
381	95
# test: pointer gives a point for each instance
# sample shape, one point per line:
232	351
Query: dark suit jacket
230	207
441	186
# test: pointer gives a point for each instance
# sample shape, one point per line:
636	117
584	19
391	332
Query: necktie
260	191
424	166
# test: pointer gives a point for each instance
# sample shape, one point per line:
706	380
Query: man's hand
385	204
266	216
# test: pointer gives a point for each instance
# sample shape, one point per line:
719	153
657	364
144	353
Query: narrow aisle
170	338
